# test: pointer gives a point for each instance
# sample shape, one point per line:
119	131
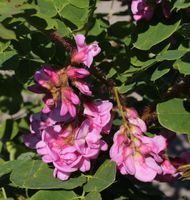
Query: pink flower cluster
139	155
141	9
68	132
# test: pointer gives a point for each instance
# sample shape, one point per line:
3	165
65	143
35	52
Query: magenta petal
83	87
85	166
130	165
47	159
61	175
104	106
144	172
152	164
64	108
64	167
104	146
72	110
160	143
89	60
80	40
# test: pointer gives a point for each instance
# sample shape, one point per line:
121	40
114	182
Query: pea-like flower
85	53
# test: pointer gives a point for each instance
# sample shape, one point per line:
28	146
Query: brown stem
55	37
100	76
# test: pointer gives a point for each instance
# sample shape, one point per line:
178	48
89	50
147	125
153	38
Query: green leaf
103	178
171	54
93	196
77	16
125	88
6	33
181	4
98	27
154	35
111	73
35	174
173	116
9	8
160	71
59	5
62	29
143	64
47	8
57	195
8	166
8	58
26	156
182	66
79	4
4	46
15	130
2	128
73	11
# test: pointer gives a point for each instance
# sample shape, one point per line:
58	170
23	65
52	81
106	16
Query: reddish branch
55	37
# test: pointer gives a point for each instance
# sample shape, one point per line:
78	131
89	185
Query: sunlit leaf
6	33
173	115
103	178
35	174
93	196
154	35
57	195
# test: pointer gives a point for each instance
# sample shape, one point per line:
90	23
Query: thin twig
55	37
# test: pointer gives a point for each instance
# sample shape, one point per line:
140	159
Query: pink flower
67	163
146	168
83	87
138	155
45	78
99	113
56	146
169	171
132	161
141	10
69	102
168	168
38	122
75	73
58	94
88	142
120	151
69	149
155	144
85	53
137	125
131	113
